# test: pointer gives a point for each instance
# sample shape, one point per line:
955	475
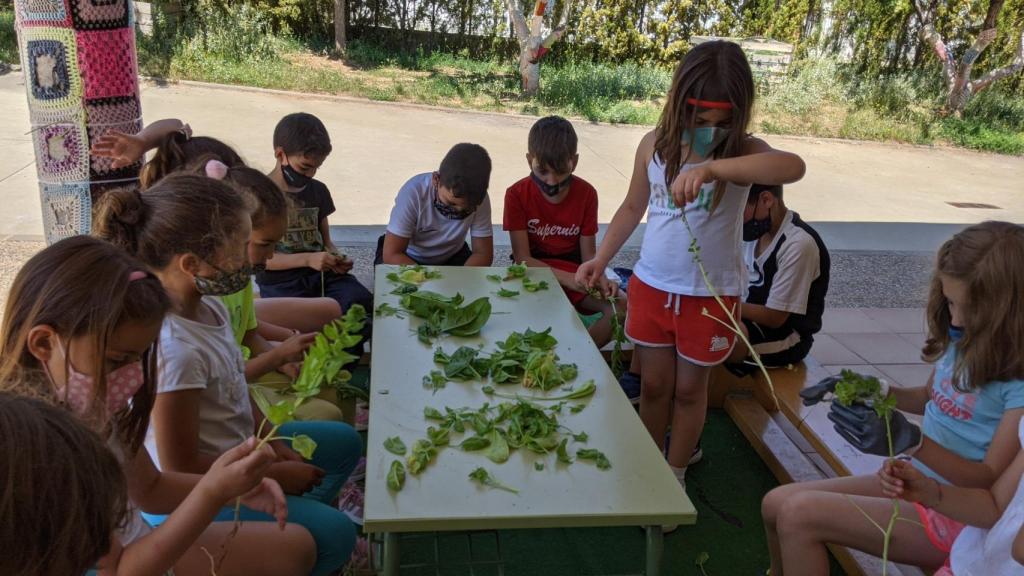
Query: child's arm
394	250
127	149
274	333
342	264
962	472
912	400
521	253
238	473
175	421
764	315
626	218
760	163
972	506
267	358
483	251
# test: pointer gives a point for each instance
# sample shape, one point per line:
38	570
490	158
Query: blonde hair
989	259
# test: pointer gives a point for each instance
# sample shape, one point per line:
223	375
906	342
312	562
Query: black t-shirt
307	208
791	275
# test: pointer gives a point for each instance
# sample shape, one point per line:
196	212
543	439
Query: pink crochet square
107	61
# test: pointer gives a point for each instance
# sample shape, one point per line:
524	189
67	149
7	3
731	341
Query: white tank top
665	260
981	552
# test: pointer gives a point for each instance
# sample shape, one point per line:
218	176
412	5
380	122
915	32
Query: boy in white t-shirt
434	212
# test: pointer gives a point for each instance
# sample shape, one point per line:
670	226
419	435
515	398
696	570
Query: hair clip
216	169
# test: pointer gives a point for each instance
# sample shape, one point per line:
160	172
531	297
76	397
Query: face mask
451	212
703	141
224	282
754	228
122	384
294	178
549	189
258	269
955	333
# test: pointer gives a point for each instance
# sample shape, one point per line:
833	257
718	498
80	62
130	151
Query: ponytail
178	150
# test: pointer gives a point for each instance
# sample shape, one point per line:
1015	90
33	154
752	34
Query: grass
8	40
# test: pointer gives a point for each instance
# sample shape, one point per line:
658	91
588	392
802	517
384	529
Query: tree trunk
340	24
529	72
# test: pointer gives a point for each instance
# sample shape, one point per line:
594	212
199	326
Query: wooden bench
796	442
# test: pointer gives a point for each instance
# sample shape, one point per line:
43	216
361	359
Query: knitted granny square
99	14
50	55
42	13
121	114
67	210
62	150
106	59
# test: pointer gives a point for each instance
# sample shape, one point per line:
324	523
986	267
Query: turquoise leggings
338	448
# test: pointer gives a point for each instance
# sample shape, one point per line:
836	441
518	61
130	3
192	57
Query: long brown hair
80	287
178	150
62	492
989	259
183	213
716	70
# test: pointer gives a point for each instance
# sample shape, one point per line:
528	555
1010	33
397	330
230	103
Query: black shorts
457	259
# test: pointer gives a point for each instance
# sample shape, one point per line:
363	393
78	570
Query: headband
715	104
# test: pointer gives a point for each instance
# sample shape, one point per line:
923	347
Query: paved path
379	145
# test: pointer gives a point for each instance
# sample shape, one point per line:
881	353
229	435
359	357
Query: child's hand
267	497
322	261
238	470
344	265
590	273
291	369
124	149
292	349
608	287
901	480
686	187
298	477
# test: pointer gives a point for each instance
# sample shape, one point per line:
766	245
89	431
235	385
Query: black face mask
294	178
451	212
549	189
754	228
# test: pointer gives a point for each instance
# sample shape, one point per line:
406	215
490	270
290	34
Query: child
433	213
306	262
64	492
551	217
177	149
192	231
972	408
697	164
78	328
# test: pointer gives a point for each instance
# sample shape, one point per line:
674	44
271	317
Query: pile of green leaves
446	315
495	431
328	355
415	275
526	358
854	387
517	272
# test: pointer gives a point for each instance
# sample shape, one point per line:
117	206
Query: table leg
655	548
390	560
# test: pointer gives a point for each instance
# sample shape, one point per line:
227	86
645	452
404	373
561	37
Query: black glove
860	425
814	394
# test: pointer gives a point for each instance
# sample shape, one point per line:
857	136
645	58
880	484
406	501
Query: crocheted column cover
81	80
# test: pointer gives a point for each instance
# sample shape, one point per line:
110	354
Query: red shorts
574	296
657	319
942	531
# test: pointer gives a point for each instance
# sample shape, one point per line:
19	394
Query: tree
532	46
959	83
340	14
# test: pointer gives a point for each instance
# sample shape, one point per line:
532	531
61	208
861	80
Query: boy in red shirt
551	217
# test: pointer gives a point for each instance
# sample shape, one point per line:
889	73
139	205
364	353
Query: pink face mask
122	384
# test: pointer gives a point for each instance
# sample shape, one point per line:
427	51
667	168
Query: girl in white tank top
698	163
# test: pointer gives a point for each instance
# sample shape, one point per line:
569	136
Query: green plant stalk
616	359
735	325
895	505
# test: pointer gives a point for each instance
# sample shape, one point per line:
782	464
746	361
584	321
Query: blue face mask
703	141
955	333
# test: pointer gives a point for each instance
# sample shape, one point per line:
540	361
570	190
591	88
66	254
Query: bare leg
690	407
258	548
740	352
302	314
600	331
657	385
810	519
776	499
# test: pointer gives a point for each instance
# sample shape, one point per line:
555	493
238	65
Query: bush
242	35
8	40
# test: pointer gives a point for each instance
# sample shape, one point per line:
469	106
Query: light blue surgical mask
703	141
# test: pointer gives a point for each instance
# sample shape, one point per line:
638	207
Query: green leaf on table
563	453
531	286
515	271
435	380
304	445
403	289
538	465
581	437
494	278
577	408
505	293
438	436
395	446
386	310
432	414
474	443
498	451
487	390
484	477
595	456
423	451
396	476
